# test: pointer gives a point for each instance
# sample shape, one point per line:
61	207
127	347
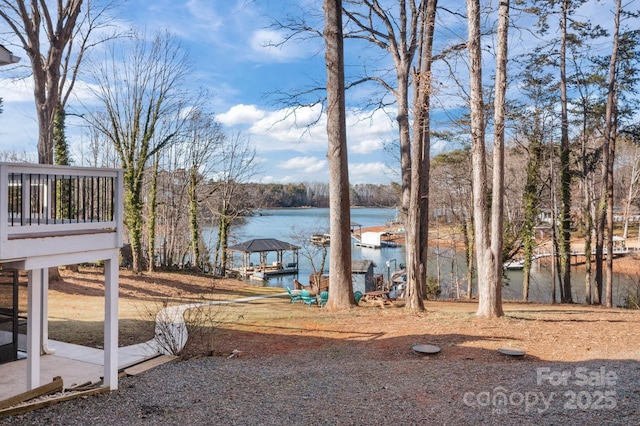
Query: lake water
296	226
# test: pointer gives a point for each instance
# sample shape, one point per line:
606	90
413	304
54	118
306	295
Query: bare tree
142	88
56	40
236	167
565	171
399	36
203	141
488	235
630	155
451	189
171	229
315	252
490	303
185	167
417	219
608	149
340	285
152	207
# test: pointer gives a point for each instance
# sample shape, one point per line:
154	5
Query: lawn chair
324	296
357	295
307	298
294	297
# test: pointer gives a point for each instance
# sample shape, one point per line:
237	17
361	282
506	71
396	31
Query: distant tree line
316	194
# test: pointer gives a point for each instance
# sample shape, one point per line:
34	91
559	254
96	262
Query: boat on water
514	264
320	239
258	276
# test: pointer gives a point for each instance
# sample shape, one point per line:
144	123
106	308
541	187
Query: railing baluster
93	191
38	199
55	202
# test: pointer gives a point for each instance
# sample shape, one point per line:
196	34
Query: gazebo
264	246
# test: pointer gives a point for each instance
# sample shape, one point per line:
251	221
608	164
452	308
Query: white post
34	334
111	323
44	303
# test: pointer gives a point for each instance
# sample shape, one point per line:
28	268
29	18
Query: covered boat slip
286	258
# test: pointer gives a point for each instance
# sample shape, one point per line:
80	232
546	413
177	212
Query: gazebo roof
261	245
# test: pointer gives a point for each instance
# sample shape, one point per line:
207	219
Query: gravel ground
336	386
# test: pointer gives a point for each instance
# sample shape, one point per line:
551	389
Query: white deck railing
52	202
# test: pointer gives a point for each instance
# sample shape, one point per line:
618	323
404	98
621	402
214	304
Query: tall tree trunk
601	216
31	19
488	240
63	190
494	307
588	219
429	19
133	216
554	227
224	225
417	220
405	144
193	216
478	154
61	157
531	201
565	166
470	248
153	214
610	142
341	289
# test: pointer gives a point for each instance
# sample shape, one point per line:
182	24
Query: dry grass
275	326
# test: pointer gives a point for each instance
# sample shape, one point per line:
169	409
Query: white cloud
16	90
18	127
304	129
375	172
241	114
269	46
301	129
367	146
304	164
203	12
194	20
368	131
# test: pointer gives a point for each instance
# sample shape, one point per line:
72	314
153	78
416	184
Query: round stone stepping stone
426	349
511	351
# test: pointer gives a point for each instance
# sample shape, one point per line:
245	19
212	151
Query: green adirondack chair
307	298
294	298
324	296
357	295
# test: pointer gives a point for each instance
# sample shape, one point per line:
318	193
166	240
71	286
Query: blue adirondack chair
307	298
294	298
324	296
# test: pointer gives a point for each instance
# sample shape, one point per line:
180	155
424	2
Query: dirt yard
275	326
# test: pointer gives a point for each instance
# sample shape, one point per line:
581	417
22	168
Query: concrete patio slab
74	363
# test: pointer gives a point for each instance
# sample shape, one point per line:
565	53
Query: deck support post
111	322
34	330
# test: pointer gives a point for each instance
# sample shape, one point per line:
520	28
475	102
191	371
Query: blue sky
228	41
